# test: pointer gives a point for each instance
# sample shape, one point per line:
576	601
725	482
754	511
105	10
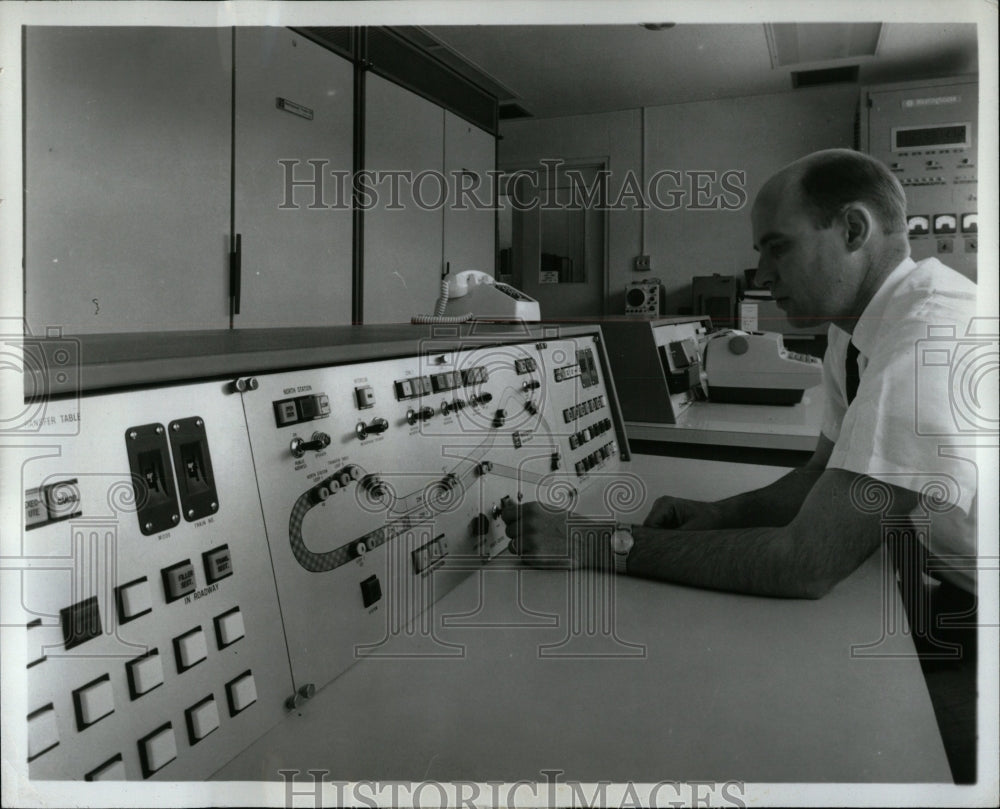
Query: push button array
596	458
582	409
587	433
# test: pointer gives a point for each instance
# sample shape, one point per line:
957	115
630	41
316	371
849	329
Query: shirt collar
868	325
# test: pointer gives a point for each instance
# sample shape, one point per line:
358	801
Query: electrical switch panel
204	554
145	601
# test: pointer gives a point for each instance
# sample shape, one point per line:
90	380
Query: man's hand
542	537
687	515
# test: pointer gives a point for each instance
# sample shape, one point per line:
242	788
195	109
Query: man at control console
831	233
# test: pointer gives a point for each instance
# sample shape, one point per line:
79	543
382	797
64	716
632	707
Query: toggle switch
374	427
300	447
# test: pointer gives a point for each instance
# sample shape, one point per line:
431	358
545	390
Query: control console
200	558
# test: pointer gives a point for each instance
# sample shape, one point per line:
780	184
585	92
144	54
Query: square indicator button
178	580
190	649
145	673
80	622
62	499
286	412
365	397
307	407
35	512
43	732
371	590
242	693
229	627
218	564
93	702
157	750
111	770
134	599
404	388
202	719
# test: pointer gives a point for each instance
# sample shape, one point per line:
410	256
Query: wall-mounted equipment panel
927	134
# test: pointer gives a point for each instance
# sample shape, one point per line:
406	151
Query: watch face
622	541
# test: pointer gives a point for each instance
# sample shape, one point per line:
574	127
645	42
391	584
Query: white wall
756	135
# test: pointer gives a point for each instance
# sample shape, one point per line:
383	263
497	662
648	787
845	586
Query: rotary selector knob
738	344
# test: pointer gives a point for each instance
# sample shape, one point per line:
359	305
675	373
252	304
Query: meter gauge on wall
918	225
970	223
945	223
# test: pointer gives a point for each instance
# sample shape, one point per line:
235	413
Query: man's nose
763	277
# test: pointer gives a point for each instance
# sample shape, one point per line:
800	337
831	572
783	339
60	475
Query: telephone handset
473	294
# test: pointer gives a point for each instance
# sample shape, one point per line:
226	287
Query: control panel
200	558
154	645
926	133
382	483
657	365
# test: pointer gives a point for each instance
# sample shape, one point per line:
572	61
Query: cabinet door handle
235	274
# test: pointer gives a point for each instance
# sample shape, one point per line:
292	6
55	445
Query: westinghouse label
933	101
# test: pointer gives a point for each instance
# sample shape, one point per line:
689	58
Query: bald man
831	233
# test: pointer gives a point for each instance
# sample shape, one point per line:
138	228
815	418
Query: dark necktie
852	375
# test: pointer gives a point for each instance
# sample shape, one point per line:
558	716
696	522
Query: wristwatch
621	543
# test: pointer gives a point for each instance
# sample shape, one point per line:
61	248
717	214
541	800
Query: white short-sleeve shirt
914	414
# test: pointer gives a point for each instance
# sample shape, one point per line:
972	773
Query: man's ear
858	226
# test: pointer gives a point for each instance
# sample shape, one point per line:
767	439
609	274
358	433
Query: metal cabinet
470	218
403	250
418	156
292	195
127	143
139	168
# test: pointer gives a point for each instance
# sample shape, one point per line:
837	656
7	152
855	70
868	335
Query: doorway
552	238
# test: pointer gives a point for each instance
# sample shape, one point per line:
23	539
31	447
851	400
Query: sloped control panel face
155	647
382	483
195	559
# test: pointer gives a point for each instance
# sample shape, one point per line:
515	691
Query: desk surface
790	427
612	678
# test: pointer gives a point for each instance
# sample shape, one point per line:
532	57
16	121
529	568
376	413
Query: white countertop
517	671
788	427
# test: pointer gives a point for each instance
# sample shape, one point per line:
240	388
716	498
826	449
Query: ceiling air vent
511	111
830	75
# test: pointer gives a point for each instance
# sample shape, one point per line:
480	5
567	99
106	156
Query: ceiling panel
556	70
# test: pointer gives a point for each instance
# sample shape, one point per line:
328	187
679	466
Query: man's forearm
773	505
758	560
